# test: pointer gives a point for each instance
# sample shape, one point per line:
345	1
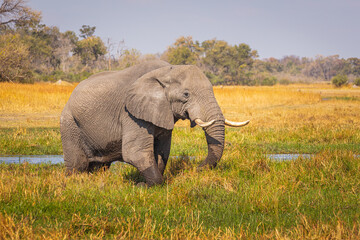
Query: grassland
247	196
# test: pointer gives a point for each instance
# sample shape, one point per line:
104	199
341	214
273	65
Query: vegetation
31	51
246	196
357	82
237	65
339	80
15	12
14	59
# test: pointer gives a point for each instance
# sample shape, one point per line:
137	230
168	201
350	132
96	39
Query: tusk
236	124
203	124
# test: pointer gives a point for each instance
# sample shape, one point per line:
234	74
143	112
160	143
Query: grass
32	105
246	196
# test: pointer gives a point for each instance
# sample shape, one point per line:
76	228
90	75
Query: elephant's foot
206	165
153	176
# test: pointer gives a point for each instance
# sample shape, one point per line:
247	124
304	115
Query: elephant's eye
186	94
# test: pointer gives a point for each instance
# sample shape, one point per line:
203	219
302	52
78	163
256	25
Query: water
33	159
288	157
38	159
55	159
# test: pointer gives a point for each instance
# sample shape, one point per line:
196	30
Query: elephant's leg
162	146
138	149
74	156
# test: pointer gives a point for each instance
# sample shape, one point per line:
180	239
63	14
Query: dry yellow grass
32	105
285	106
40	104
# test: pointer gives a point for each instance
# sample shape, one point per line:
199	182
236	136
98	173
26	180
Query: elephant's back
114	80
97	103
110	85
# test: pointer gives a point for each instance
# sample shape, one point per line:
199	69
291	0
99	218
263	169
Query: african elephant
129	115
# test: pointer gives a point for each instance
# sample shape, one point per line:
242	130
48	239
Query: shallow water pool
55	159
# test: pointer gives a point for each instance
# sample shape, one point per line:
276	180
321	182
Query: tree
89	49
14	59
129	58
339	80
184	51
71	36
270	65
324	67
354	64
291	64
230	63
15	12
357	82
45	45
86	31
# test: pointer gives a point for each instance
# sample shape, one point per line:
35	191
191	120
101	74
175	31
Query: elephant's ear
146	100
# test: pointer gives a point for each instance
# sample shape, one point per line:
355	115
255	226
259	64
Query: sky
275	28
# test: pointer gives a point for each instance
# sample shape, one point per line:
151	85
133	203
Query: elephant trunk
215	137
214	131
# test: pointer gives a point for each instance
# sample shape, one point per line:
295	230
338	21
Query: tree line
239	64
32	51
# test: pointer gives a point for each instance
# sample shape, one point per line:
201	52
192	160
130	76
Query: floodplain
246	196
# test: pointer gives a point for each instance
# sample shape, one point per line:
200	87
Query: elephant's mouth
182	116
186	115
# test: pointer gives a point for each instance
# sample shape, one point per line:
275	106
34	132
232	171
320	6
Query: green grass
191	142
30	141
345	98
266	140
246	196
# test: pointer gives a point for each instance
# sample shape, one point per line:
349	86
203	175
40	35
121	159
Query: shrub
269	81
214	79
284	81
357	82
14	60
339	80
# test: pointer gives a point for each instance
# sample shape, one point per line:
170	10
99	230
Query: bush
339	80
284	81
269	81
14	60
357	82
214	79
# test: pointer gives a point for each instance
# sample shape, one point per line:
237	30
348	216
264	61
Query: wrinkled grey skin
129	116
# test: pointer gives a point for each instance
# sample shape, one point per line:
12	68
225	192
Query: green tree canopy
14	59
87	31
89	49
184	51
232	63
339	80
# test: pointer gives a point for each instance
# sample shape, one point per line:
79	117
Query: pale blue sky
275	28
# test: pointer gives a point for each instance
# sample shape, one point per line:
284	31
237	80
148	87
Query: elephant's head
170	93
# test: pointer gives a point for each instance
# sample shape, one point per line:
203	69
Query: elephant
129	116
